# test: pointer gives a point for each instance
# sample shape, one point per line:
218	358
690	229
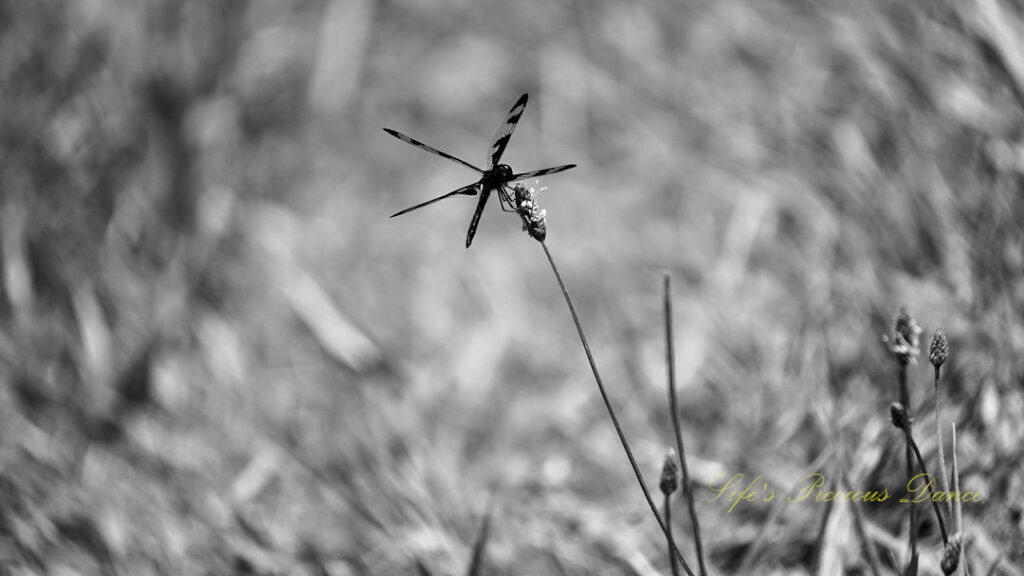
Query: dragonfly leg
505	200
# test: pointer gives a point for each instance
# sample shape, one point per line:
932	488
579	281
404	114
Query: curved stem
668	523
677	427
938	436
931	489
905	400
611	414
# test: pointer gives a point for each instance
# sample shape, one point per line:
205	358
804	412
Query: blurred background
221	356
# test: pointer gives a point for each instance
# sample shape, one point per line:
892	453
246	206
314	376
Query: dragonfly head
503	172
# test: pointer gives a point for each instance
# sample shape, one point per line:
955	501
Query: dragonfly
494	179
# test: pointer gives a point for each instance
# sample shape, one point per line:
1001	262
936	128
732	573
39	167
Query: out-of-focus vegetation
220	355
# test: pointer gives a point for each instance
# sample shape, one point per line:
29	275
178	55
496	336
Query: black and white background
219	355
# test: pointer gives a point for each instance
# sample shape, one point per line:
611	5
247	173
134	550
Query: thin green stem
611	414
677	427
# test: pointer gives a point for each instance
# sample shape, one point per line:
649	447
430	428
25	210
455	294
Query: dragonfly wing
541	172
422	146
504	133
470	190
476	216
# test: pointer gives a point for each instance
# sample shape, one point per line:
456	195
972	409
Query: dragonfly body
495	178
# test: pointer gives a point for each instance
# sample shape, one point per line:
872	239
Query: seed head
898	414
940	348
905	345
951	558
669	473
533	216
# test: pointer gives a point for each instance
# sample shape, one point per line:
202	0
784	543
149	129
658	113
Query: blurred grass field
220	355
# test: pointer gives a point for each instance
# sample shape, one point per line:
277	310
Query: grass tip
533	216
898	412
905	343
669	482
951	557
939	350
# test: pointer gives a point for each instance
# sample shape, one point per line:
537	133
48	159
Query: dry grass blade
931	489
778	508
958	519
336	333
611	412
668	484
667	506
670	351
905	350
993	26
912	510
422	569
902	421
476	563
995	564
861	527
938	354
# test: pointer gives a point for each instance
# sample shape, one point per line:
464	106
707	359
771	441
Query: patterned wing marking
470	190
430	149
476	216
541	172
504	133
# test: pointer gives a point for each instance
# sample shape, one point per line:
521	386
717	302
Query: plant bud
669	473
940	348
899	415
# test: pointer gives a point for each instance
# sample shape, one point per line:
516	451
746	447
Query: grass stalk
860	525
938	353
931	489
677	427
611	414
905	349
668	484
667	506
476	562
958	519
905	400
938	434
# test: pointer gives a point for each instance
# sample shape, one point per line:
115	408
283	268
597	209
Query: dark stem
668	523
938	433
476	562
931	489
611	413
677	427
859	524
905	400
958	519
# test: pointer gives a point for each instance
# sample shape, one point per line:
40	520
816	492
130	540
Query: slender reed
476	562
995	564
938	352
668	484
905	349
958	518
905	400
611	412
676	427
902	421
843	464
860	525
